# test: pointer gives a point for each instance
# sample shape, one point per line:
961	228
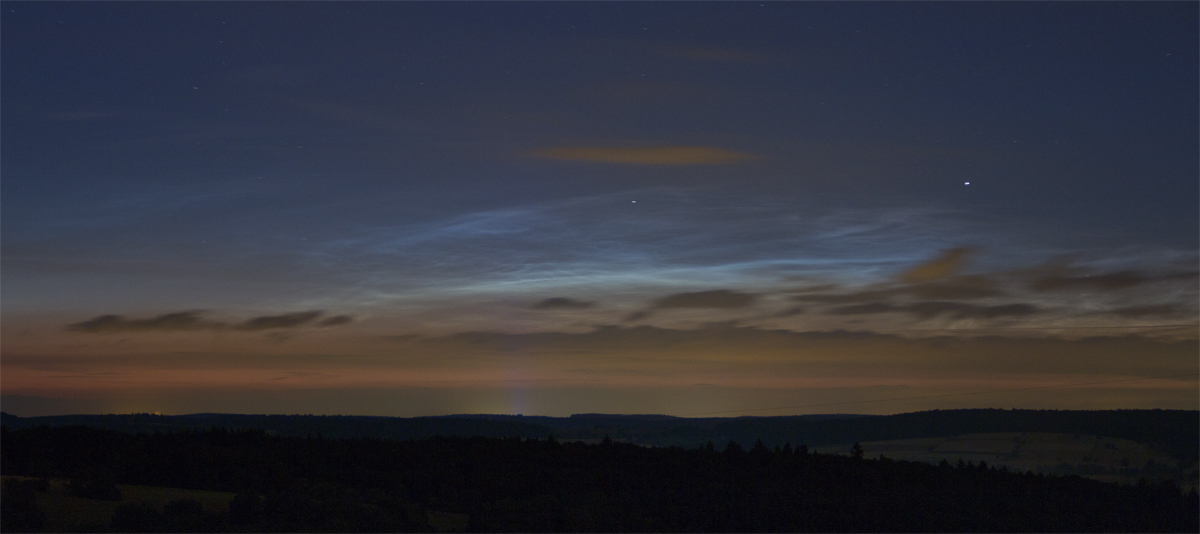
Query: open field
1100	458
66	512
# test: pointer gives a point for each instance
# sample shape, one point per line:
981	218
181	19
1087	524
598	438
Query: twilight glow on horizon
714	208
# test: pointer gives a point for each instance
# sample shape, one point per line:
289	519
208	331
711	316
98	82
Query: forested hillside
1176	432
515	484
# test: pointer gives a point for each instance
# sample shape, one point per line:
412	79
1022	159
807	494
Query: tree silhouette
733	448
856	451
758	448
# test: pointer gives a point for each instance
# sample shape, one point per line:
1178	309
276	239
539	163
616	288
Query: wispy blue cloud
624	250
652	235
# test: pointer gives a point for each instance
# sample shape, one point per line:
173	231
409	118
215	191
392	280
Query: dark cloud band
931	309
192	320
718	298
187	320
561	303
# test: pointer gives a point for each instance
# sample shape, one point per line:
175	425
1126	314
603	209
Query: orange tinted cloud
652	155
948	263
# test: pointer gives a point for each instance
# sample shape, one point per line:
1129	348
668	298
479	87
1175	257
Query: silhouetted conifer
759	448
856	451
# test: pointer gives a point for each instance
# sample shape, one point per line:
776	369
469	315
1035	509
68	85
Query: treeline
290	484
328	426
1175	432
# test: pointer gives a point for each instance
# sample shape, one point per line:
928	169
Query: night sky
552	208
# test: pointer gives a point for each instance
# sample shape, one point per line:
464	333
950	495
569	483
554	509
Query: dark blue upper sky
1080	113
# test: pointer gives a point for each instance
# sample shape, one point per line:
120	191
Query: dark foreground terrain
289	484
1175	432
1122	446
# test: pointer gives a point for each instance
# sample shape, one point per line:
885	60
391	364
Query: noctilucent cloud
550	208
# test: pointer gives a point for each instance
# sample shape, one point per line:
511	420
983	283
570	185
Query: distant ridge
618	416
1175	432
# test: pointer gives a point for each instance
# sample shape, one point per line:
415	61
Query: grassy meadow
67	513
